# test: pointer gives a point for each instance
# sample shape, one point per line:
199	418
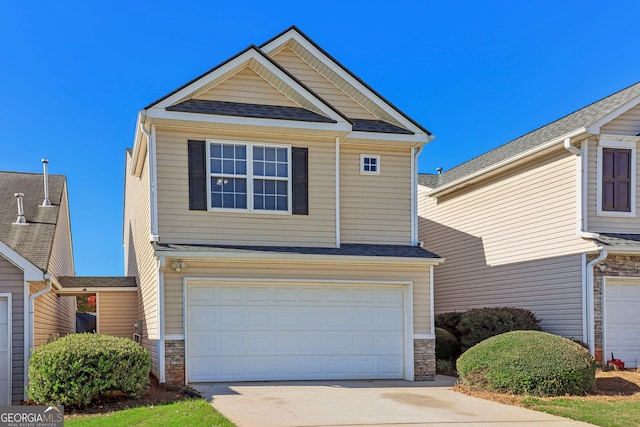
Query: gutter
509	160
591	335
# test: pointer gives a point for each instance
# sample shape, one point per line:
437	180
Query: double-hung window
249	176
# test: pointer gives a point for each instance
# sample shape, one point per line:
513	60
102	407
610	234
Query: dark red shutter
197	176
616	180
300	180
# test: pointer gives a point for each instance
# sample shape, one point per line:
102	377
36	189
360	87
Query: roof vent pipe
21	219
438	171
46	201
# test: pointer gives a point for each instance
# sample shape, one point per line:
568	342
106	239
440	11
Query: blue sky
476	73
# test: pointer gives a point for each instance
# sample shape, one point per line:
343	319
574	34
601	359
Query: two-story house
271	222
548	222
35	251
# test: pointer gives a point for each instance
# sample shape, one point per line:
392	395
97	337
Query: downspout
415	152
47	280
591	340
161	349
153	202
338	226
580	187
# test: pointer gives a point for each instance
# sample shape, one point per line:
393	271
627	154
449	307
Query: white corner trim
153	178
585	301
337	178
431	301
8	297
615	143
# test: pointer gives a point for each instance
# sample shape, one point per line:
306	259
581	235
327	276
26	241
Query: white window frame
369	156
627	144
250	177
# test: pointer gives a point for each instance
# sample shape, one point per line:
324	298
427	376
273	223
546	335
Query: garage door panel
278	332
622	329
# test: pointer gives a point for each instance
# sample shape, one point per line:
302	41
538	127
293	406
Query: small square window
369	164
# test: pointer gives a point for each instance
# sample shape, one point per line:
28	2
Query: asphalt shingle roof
380	126
224	108
33	240
97	282
581	118
615	239
346	249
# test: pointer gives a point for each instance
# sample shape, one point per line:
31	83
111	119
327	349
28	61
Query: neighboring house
270	219
548	222
35	249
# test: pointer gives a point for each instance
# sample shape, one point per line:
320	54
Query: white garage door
622	328
5	349
291	332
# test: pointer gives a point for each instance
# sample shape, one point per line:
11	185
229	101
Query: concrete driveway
365	403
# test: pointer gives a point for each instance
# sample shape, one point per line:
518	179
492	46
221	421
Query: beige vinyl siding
511	241
247	87
117	313
12	281
178	224
54	316
61	260
417	273
321	86
375	208
625	124
139	256
608	223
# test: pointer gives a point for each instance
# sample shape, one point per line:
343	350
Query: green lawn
605	413
192	413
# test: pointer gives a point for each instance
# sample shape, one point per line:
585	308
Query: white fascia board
31	272
595	127
506	162
238	63
292	34
139	152
90	290
278	257
249	121
416	139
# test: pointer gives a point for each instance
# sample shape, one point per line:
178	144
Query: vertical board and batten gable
139	255
627	124
307	271
118	313
511	242
375	208
320	85
178	224
12	281
246	86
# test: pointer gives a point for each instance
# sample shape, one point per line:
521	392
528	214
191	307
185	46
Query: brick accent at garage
174	362
424	353
612	266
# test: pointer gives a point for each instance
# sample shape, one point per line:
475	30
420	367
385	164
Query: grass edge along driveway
612	412
191	412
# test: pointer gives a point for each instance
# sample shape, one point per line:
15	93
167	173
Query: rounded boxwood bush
447	346
528	362
80	367
478	324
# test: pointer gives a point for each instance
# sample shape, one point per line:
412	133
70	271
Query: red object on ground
616	362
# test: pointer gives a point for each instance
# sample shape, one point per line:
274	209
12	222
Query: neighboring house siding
247	87
608	223
375	208
12	281
511	241
178	224
118	313
320	85
418	274
140	259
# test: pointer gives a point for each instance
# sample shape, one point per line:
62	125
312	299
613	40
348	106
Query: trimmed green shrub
80	367
449	322
528	362
479	324
447	346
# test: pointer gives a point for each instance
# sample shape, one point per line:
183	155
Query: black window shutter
616	180
197	176
300	180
